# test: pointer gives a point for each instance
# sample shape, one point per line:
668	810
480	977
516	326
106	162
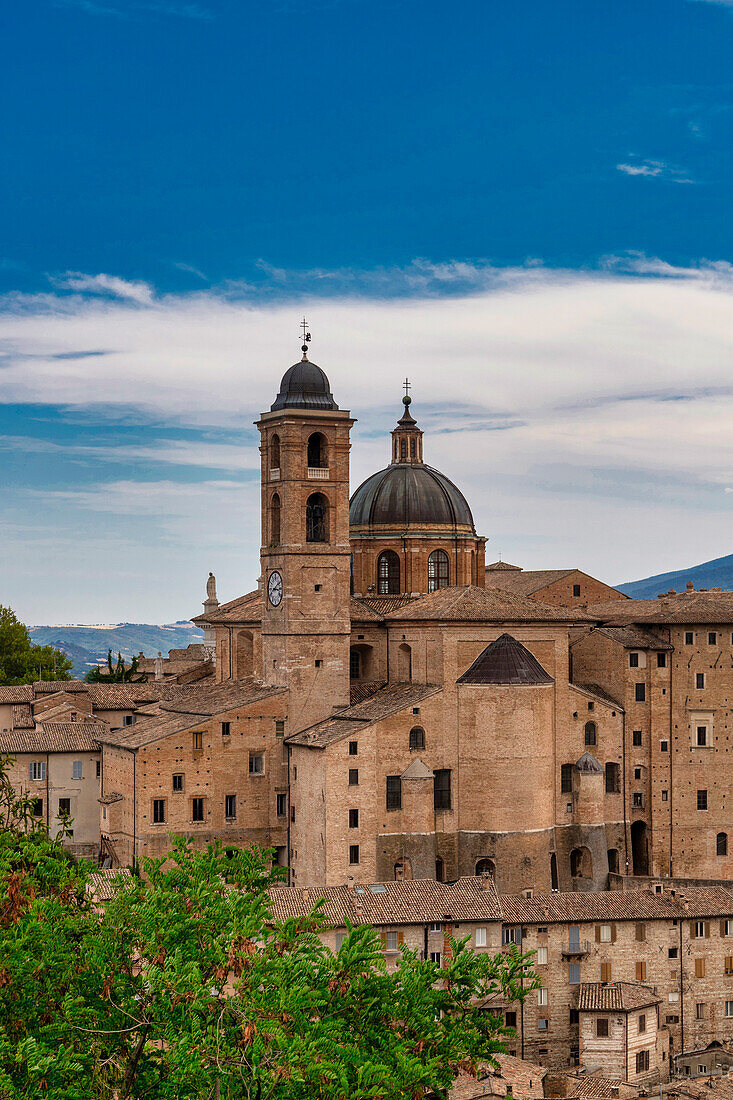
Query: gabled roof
22	717
468	603
506	661
709	608
615	996
598	693
503	566
390	700
16	693
54	737
417	770
631	637
588	763
376	607
618	905
242	609
417	901
524	581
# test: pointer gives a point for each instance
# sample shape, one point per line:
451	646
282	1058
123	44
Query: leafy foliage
21	661
118	673
183	987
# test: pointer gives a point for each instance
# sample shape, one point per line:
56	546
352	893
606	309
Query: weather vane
407	385
306	336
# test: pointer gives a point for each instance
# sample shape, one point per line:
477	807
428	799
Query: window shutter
30	771
613	933
707	929
693	930
400	937
722	928
598	933
383	938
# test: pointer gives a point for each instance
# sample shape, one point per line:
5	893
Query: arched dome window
388	573
417	739
438	570
316	518
275	452
275	520
317	451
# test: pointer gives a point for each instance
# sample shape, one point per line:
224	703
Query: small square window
317	587
256	763
664	746
672	952
281	803
353	777
319	663
435	957
542	1025
230	807
702	800
353	819
158	810
661	660
128	720
510	1018
226	729
636	736
353	748
353	853
178	781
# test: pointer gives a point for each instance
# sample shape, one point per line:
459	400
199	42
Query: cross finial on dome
306	339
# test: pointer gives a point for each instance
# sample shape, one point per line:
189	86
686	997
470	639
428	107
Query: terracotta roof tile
18	693
388	700
418	901
379	605
634	637
243	609
615	996
54	737
22	717
468	603
617	905
103	883
42	686
598	693
524	581
683	607
363	689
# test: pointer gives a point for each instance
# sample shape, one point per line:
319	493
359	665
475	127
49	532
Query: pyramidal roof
506	661
588	763
417	770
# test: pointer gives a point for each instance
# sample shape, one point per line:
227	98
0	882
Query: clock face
275	588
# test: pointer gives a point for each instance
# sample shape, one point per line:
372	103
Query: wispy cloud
131	9
109	285
654	169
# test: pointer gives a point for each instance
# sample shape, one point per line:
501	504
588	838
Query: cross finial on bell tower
407	386
306	338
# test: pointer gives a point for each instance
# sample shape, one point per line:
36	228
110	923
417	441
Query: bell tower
305	552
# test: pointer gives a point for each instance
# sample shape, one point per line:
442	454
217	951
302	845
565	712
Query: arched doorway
639	848
581	863
245	655
317	451
486	866
404	664
613	861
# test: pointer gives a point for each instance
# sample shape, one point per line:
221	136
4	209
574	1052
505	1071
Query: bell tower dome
305	553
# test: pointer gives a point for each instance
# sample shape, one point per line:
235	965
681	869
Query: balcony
576	949
318	473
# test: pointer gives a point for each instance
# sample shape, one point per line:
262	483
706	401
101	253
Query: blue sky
524	206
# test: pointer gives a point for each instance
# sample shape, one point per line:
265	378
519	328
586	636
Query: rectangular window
542	1025
38	807
665	796
712	638
664	746
98	768
640	971
672	952
699	968
541	996
390	941
640	932
642	1061
511	935
480	937
729	1008
728	928
394	792
636	737
65	806
295	774
541	956
198	741
197	809
230	806
699	679
353	748
441	789
37	770
574	974
281	803
613	778
702	800
633	660
279	727
340	937
602	1027
698	929
226	729
700	1010
576	589
701	736
689	638
566	778
605	934
256	763
76	770
435	927
128	720
158	810
353	819
637	799
353	777
435	957
642	1023
510	1018
353	853
637	773
661	660
640	693
178	781
605	972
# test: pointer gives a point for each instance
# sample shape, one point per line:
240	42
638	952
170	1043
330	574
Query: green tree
118	673
183	987
21	661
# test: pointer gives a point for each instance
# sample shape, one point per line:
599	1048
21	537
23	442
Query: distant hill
87	645
711	574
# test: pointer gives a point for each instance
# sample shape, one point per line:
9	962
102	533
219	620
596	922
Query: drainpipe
134	811
682	996
671	754
48	795
623	782
288	818
626	1054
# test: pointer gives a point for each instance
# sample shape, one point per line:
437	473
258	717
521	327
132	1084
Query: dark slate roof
506	661
615	997
588	763
411	495
304	386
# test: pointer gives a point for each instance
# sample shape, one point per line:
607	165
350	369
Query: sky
524	208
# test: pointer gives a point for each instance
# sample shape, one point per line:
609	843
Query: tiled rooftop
615	996
468	603
380	704
617	905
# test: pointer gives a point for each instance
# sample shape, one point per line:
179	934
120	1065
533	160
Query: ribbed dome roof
409	494
506	661
304	386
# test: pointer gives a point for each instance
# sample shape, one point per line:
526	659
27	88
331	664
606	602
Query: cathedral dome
409	495
304	386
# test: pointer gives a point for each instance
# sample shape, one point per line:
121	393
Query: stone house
563	587
620	1033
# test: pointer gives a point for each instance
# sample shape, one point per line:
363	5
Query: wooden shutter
699	968
693	930
707	929
722	928
613	933
383	938
641	932
598	933
400	937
